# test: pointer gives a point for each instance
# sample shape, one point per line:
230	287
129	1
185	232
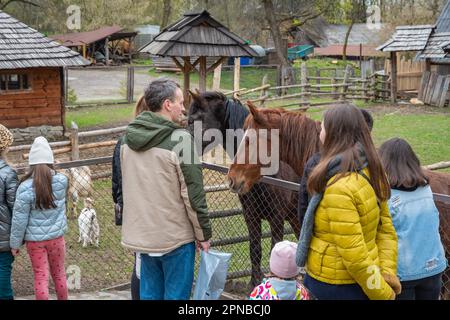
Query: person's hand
203	245
393	282
15	252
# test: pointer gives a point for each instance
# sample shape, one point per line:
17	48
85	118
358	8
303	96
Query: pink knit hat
282	260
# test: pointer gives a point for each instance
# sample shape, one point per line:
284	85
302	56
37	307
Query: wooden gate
409	73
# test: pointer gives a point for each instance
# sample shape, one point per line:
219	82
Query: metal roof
360	33
82	38
24	47
198	34
408	38
352	51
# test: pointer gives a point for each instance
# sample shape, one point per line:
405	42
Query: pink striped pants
47	255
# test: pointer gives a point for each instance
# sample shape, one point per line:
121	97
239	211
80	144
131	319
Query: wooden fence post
75	151
237	75
373	85
348	71
263	91
318	76
304	82
66	84
279	79
216	77
130	84
393	77
364	87
333	88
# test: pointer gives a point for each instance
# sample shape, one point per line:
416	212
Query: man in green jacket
164	203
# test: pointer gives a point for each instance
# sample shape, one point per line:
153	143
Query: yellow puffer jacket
353	240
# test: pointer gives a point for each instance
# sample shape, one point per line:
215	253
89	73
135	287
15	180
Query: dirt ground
93	85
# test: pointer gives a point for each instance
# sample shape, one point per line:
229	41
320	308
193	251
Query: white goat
80	185
88	224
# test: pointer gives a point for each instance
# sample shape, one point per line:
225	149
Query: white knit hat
40	152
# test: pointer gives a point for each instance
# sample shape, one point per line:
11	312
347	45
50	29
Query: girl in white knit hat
39	220
8	187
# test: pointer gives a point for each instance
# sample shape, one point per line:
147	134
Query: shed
192	39
31	82
102	44
429	41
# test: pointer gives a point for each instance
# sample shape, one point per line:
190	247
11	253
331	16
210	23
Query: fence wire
243	226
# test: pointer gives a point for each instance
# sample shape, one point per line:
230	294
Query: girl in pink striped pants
39	220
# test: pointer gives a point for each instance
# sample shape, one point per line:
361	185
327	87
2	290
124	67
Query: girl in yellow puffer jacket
348	242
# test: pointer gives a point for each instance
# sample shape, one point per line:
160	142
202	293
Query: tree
288	15
166	13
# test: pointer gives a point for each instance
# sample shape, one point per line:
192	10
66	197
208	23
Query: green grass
99	115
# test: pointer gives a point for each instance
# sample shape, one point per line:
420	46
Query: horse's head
208	112
260	131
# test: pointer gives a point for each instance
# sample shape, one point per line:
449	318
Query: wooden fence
334	88
409	73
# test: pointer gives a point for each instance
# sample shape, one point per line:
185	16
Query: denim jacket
416	220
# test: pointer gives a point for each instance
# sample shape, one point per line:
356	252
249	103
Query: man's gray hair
158	91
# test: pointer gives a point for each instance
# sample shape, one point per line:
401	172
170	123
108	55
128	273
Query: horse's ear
194	96
254	111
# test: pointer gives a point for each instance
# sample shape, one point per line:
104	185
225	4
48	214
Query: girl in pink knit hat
282	282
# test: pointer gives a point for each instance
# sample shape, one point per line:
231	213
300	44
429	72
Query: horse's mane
235	112
299	135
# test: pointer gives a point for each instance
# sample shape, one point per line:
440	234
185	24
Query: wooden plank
27	115
237	74
423	83
23	123
444	92
202	75
186	83
393	77
430	87
437	90
304	82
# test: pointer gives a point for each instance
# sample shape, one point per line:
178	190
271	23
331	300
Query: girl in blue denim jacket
421	256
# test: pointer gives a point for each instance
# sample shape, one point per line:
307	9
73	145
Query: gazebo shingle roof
24	47
198	34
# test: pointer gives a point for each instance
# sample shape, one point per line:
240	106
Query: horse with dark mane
215	111
293	128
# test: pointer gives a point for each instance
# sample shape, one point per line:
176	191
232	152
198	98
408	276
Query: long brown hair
401	164
42	182
140	107
347	131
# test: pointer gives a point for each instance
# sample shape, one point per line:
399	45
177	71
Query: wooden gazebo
193	38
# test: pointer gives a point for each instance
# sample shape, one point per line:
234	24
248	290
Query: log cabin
31	76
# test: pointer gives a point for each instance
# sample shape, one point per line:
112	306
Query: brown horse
263	202
298	141
440	183
294	129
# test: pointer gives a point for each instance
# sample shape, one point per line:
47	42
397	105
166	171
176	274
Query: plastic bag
212	275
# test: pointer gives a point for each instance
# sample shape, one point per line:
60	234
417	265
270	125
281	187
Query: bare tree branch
304	17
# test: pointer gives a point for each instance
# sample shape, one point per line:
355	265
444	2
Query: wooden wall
42	104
